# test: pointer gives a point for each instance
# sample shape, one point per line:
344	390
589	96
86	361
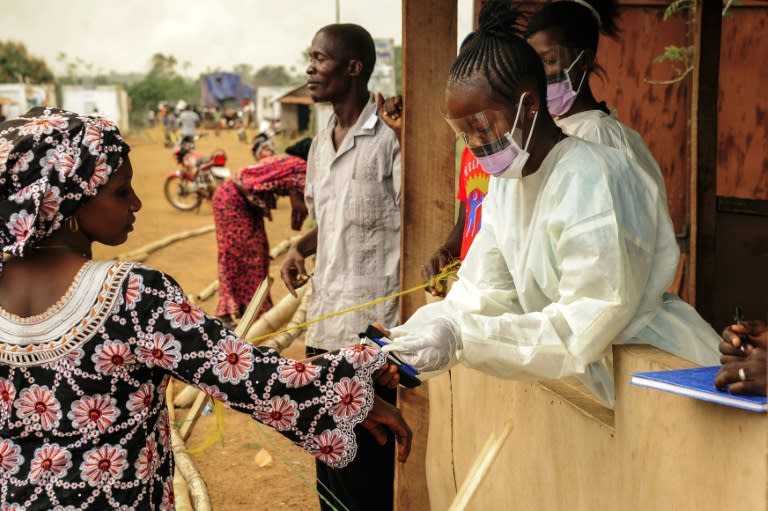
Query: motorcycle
196	178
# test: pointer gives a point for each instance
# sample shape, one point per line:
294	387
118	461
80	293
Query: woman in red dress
239	209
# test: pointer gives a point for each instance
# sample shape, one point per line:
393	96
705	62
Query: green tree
152	90
163	65
274	75
16	64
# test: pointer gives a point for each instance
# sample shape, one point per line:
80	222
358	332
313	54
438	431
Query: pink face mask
560	95
505	157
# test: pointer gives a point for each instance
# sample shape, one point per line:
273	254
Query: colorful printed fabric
51	161
240	235
83	421
473	185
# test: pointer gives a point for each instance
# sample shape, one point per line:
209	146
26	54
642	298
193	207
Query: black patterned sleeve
316	403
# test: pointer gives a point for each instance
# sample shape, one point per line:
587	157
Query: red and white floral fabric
83	422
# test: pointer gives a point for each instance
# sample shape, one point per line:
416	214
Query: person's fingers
381	328
387	376
300	268
395	347
725	376
285	274
379	433
727	348
403	444
379	102
391	417
730	359
426	272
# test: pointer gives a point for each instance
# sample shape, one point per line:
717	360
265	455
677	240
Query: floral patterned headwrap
51	162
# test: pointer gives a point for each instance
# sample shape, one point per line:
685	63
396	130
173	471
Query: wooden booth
564	450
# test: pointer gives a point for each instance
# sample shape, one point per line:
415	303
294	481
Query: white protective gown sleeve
562	269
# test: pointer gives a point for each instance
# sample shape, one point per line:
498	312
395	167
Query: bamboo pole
206	293
282	247
277	316
185	397
198	491
201	399
252	311
282	340
142	253
479	468
181	500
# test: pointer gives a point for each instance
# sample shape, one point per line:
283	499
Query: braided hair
580	26
497	52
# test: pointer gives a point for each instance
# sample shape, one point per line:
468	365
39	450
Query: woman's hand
384	415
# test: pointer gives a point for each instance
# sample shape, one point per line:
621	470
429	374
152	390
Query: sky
209	34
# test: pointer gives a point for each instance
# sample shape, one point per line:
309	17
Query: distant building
18	98
383	76
267	109
110	101
300	114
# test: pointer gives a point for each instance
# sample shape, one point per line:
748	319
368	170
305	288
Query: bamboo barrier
190	491
284	339
185	397
479	468
141	253
198	491
282	247
206	293
277	316
200	398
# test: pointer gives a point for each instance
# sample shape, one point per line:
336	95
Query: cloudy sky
209	34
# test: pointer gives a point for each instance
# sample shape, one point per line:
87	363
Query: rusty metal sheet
742	150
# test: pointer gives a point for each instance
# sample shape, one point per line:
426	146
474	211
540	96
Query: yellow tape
437	282
215	434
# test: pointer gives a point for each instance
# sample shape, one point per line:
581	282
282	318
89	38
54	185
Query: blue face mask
560	94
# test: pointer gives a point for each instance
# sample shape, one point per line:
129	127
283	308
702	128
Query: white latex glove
431	349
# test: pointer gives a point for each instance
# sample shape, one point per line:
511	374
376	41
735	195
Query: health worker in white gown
576	248
565	35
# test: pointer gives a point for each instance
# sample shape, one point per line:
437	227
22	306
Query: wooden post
427	204
704	155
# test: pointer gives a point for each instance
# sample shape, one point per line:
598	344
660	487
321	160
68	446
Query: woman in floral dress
87	347
239	209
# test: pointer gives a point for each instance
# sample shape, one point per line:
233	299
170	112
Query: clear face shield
483	132
496	144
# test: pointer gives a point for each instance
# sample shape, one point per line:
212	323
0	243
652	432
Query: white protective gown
605	129
570	260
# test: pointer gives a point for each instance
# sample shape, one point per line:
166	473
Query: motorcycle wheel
177	194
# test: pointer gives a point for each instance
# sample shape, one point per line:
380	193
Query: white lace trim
67	325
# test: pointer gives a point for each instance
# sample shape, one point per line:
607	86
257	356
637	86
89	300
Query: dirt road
234	480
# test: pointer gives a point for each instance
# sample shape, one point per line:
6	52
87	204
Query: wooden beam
703	173
427	203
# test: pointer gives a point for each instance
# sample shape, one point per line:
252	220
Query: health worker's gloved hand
429	350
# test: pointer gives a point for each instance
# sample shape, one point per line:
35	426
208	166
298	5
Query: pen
738	317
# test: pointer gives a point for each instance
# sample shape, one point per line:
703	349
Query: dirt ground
234	480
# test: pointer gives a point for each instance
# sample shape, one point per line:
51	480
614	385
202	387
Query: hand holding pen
741	341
